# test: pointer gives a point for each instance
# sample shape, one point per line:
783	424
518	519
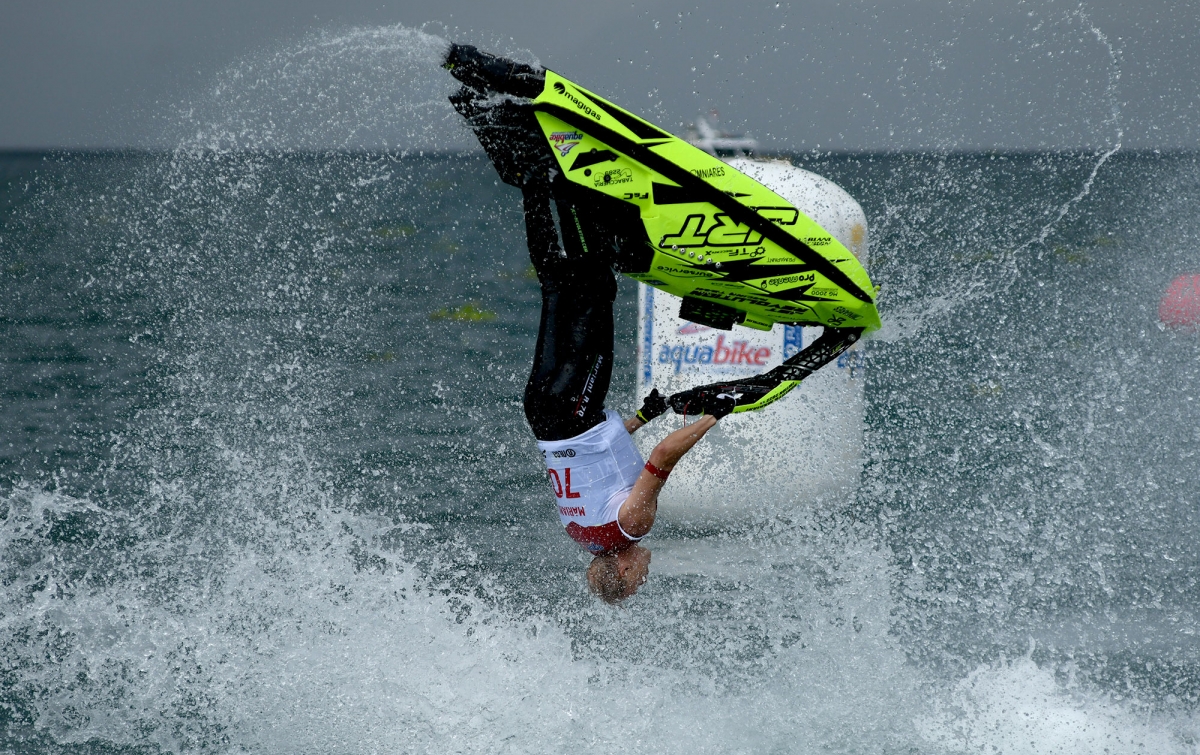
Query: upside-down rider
607	495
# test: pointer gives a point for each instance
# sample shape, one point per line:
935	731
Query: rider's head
616	576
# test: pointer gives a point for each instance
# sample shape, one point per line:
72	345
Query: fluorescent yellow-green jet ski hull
721	240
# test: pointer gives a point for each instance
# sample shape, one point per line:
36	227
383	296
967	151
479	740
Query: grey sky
834	75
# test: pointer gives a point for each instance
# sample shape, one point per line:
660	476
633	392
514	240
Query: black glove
720	405
653	405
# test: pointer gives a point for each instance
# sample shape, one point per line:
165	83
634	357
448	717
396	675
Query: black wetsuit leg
572	364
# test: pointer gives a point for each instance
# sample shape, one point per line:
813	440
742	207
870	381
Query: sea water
266	486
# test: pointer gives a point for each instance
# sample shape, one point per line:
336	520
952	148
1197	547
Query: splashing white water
1017	707
1113	121
311	636
307	634
906	320
366	88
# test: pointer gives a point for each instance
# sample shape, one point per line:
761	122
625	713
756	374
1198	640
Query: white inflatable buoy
806	446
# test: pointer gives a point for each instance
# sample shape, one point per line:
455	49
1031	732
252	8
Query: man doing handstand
607	496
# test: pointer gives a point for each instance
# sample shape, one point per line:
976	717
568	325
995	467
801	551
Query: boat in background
705	133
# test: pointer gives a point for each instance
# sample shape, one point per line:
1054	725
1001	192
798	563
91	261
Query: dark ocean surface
266	486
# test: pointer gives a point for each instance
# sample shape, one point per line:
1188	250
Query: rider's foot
485	72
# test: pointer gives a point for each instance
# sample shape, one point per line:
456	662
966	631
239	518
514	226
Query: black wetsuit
572	364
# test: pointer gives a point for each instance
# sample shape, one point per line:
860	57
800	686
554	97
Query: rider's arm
638	512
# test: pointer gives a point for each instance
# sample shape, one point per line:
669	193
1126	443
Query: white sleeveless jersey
592	474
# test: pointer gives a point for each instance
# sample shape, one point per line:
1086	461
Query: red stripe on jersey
601	540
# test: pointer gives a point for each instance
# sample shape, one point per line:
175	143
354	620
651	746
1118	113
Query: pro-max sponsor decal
788	280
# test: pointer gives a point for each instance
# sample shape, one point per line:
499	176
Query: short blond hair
605	581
